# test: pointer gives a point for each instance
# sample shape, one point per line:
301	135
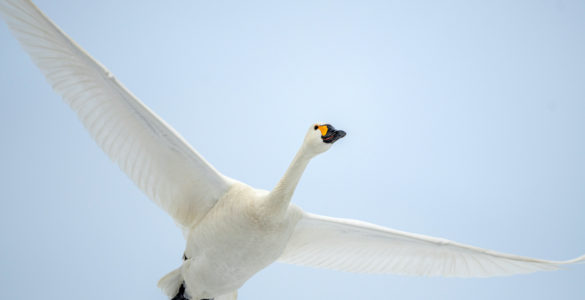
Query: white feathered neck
279	198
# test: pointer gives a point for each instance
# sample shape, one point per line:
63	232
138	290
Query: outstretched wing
354	246
148	150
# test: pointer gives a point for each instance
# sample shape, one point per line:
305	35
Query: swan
233	230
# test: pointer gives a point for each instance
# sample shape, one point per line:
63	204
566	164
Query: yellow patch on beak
323	129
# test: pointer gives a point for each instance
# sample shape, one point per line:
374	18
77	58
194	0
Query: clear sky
465	120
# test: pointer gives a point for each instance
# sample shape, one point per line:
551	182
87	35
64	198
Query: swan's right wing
149	151
354	246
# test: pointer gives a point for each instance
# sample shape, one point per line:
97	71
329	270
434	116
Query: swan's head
321	137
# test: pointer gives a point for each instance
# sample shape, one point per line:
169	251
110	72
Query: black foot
181	294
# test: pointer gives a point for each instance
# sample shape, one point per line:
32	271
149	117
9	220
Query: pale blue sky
465	120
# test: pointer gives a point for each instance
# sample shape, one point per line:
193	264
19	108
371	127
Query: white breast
234	241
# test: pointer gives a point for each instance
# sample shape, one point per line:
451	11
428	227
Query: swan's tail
229	296
171	283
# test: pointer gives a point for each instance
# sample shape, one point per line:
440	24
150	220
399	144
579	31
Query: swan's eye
316	127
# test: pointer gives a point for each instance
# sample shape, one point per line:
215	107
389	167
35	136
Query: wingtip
578	260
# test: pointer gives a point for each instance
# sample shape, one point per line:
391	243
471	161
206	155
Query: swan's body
233	230
245	231
252	239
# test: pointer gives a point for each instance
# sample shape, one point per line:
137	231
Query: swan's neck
279	198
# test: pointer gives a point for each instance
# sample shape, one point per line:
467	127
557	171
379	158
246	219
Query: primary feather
355	246
159	161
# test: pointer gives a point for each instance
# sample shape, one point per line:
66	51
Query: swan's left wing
148	150
355	246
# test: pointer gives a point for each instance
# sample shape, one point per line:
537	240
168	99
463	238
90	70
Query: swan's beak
329	134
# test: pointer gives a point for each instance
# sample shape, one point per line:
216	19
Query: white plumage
232	230
149	151
355	246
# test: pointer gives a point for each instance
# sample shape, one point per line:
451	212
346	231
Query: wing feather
354	246
150	152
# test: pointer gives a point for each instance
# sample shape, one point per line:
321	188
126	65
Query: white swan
232	229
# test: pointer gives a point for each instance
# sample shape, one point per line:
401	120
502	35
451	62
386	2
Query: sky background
465	120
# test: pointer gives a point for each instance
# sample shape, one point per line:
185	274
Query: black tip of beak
333	135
